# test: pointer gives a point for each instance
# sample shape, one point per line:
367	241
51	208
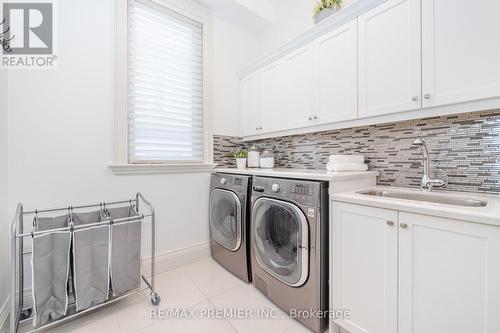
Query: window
165	85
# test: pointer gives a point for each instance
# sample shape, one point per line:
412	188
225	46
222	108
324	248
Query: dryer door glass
225	219
280	240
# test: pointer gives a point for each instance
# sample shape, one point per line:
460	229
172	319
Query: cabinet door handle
404	225
310	118
390	223
414	98
427	96
315	117
260	128
256	128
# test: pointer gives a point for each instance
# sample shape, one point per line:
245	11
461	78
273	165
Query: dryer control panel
236	183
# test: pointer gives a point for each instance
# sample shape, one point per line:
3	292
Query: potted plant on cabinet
325	8
241	159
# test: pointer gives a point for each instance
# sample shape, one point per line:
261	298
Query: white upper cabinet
272	97
461	51
389	60
299	87
251	106
399	56
337	70
448	276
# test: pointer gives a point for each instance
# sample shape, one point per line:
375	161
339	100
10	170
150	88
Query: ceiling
254	15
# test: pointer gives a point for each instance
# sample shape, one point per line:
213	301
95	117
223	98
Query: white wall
4	220
61	141
291	19
233	48
263	8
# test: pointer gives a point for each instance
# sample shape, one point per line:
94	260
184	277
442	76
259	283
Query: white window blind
165	85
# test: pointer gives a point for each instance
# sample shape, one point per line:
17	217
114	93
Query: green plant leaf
324	4
240	154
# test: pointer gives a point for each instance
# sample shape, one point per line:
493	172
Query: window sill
131	169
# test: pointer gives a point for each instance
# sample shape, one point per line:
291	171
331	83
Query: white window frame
121	163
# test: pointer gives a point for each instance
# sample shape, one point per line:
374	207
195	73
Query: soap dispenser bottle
253	157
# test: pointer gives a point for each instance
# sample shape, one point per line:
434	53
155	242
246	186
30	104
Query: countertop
311	174
490	214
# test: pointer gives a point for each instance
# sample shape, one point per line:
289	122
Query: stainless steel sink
427	198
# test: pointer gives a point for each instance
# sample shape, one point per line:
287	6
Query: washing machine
229	219
289	246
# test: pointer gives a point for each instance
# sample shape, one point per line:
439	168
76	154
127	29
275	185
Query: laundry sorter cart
74	305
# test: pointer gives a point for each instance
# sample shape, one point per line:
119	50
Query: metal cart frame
20	314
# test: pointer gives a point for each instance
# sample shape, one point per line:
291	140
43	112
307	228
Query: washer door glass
225	218
280	240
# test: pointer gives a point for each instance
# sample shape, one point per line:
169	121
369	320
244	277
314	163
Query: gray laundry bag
90	252
50	270
125	252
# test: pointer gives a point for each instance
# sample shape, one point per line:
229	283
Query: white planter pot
325	13
241	163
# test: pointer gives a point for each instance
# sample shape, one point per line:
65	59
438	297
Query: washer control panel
301	191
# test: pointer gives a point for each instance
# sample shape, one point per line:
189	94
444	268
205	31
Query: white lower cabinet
365	264
449	276
410	273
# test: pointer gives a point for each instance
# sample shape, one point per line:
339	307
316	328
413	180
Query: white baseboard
173	259
4	313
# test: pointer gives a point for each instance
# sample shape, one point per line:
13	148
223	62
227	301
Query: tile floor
203	286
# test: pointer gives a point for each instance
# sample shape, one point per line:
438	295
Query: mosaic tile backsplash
466	146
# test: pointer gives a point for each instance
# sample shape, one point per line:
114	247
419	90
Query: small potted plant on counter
241	159
325	8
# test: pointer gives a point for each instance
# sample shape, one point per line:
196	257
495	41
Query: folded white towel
347	159
346	166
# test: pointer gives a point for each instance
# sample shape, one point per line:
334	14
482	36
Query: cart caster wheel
155	299
26	313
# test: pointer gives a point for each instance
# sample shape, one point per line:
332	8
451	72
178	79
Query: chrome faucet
427	182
